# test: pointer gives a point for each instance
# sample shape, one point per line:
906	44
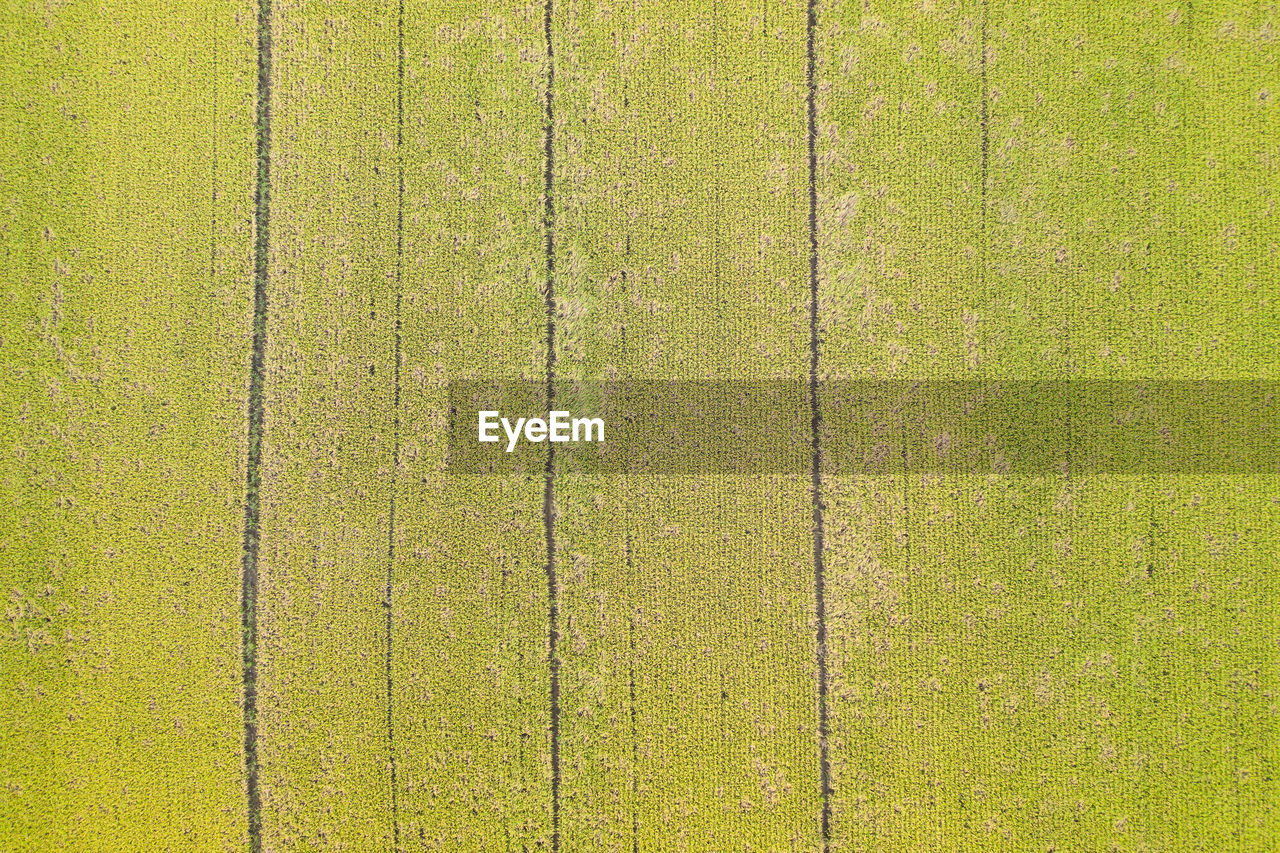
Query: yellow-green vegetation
688	699
126	273
470	681
328	429
1056	662
247	248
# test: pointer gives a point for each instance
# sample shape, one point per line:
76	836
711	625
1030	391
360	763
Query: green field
245	249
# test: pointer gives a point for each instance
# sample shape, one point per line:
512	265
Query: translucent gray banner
870	427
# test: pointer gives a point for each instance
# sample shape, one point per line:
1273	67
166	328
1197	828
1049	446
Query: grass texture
246	248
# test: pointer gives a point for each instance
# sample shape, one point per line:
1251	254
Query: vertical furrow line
388	599
819	573
253	474
548	489
631	690
213	166
982	125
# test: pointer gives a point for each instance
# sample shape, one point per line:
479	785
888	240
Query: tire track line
548	492
395	434
257	425
819	569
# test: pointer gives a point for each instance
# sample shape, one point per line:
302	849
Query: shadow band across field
876	427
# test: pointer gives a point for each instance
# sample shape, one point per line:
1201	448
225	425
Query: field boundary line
631	691
388	599
257	425
982	123
548	489
819	569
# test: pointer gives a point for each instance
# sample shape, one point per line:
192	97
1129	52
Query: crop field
250	250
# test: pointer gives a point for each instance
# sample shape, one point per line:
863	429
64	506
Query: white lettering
513	435
586	424
487	423
559	426
535	429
